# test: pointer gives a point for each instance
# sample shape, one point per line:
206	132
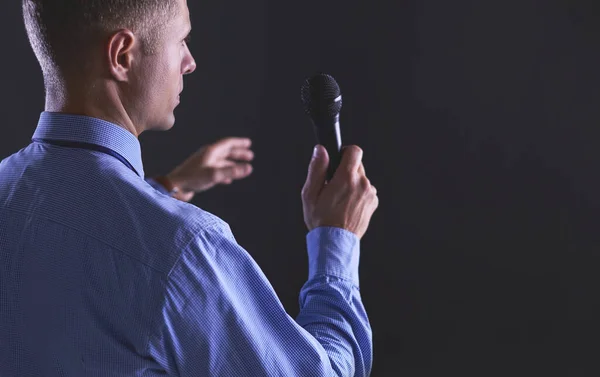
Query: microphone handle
328	135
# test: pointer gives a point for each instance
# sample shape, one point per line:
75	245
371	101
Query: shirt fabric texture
104	274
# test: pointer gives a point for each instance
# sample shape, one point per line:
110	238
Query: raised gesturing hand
223	162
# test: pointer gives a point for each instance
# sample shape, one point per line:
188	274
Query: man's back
85	250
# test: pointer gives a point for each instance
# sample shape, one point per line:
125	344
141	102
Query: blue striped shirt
103	274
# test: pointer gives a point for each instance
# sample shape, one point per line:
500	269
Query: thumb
317	173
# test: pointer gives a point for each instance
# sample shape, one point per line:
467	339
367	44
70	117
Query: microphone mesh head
321	96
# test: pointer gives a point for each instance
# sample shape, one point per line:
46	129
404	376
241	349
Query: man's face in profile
158	78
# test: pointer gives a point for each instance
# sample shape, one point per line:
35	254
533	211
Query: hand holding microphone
337	191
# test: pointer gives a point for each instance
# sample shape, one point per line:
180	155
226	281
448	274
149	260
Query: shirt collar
86	129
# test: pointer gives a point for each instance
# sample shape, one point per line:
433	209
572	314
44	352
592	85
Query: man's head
102	55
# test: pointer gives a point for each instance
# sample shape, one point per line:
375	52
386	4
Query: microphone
322	101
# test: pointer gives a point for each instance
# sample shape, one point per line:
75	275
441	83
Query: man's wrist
173	189
167	183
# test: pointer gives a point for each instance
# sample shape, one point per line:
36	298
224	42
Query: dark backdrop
479	122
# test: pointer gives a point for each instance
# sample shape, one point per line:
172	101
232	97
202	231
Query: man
101	274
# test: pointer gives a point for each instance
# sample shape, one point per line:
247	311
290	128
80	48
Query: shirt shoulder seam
163	296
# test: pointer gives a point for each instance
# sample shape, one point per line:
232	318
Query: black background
480	124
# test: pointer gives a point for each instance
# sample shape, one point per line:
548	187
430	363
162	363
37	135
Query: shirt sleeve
221	316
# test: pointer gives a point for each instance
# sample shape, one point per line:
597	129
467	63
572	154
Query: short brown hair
59	30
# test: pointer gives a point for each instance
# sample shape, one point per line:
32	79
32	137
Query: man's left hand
223	162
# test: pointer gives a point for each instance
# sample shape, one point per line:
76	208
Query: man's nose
190	67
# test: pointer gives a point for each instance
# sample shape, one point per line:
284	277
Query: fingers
353	156
234	142
230	173
241	154
317	173
361	170
232	146
351	159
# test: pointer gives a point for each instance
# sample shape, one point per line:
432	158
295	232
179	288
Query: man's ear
120	54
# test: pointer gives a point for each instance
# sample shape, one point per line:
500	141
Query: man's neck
104	105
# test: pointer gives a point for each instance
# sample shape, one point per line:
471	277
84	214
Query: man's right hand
348	201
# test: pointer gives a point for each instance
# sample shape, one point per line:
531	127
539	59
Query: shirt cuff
157	186
333	251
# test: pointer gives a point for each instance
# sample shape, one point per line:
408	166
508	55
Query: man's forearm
331	308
